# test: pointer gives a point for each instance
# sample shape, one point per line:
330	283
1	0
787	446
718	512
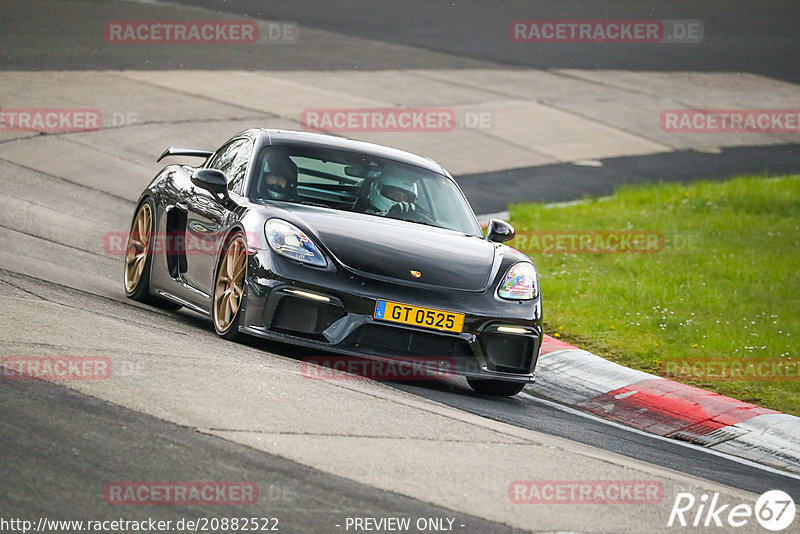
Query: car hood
396	249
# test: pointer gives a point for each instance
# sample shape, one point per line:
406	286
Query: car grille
387	340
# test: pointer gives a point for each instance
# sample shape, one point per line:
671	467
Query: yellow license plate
414	315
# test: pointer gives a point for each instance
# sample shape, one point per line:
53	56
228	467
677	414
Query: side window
232	159
224	157
238	169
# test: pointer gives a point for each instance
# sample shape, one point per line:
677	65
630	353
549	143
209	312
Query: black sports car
338	245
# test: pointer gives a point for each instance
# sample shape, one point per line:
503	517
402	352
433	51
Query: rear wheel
229	288
139	257
499	388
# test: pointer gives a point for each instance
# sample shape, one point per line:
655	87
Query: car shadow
446	390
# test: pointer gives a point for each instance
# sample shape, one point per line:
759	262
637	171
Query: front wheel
229	288
498	388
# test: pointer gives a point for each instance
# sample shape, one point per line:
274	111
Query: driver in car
392	196
279	177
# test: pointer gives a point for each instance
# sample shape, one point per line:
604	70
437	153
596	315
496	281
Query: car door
208	216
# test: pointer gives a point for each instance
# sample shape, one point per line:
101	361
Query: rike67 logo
774	510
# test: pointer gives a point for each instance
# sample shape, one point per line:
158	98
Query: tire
139	258
229	283
497	388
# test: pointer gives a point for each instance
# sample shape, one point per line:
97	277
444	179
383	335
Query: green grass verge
718	288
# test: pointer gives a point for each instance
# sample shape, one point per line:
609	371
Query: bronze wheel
229	287
138	249
139	258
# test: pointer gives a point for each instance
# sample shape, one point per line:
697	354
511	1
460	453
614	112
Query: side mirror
211	180
499	231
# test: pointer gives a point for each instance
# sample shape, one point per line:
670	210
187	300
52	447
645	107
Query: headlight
288	240
519	283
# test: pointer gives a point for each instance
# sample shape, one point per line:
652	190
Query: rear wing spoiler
173	151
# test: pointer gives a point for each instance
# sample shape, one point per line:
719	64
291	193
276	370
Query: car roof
281	137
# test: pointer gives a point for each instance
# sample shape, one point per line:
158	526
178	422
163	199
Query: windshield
351	181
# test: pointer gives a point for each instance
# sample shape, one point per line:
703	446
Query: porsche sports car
337	245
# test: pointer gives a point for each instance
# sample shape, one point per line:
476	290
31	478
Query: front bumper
331	309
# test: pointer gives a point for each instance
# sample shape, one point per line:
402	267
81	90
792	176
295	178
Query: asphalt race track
93	436
183	405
